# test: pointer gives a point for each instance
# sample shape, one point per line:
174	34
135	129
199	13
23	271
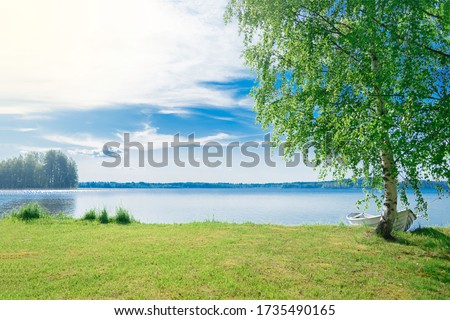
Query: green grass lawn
62	258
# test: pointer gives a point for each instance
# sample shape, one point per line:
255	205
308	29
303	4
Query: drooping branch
431	14
321	17
381	24
437	51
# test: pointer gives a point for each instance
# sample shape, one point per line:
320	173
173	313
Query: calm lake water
276	206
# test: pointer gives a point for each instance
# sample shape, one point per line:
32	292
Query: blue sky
77	74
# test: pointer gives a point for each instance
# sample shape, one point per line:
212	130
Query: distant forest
50	170
222	185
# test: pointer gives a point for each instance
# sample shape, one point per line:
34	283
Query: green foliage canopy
356	78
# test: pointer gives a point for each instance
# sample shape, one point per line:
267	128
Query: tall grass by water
29	212
34	211
122	216
103	217
90	215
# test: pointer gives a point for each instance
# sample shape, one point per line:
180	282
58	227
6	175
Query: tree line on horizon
348	184
49	170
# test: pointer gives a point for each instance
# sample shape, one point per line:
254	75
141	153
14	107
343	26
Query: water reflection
54	201
276	206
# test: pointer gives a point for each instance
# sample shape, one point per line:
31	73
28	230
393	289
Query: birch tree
367	82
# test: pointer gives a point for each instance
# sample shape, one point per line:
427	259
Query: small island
50	170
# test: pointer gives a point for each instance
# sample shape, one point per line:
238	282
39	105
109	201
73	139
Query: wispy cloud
96	53
79	144
87	144
86	152
18	129
26	149
177	111
26	129
79	139
150	134
220	137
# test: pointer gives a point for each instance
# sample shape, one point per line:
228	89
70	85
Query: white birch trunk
384	228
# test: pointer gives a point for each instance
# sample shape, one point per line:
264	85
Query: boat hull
363	219
402	222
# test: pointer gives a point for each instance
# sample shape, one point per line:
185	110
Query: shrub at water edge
90	215
103	216
122	216
29	212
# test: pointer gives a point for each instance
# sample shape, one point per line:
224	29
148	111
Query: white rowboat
363	219
402	222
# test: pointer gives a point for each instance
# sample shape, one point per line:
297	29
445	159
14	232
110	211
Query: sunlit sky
75	74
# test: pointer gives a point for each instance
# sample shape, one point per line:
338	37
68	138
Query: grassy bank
57	258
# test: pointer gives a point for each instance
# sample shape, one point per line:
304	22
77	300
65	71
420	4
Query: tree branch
432	15
441	53
437	51
332	25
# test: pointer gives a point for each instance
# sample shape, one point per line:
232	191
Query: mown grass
61	258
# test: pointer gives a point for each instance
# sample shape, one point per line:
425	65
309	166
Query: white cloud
80	139
93	53
220	137
26	129
86	152
26	149
150	134
86	144
177	111
147	134
223	118
18	129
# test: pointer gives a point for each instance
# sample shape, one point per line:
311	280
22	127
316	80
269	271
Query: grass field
63	258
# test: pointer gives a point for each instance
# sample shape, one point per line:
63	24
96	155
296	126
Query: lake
275	206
